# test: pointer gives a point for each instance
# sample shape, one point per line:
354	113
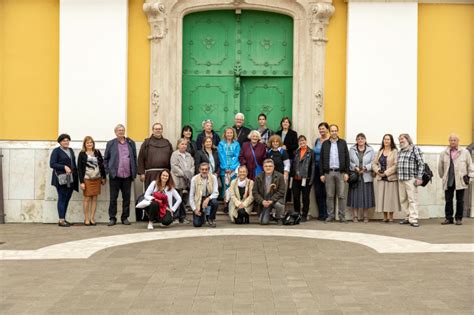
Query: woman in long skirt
386	179
361	194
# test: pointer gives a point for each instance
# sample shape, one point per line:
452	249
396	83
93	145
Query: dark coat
246	157
154	153
192	148
111	157
202	156
82	162
303	167
291	142
278	157
242	134
343	151
277	194
58	160
202	135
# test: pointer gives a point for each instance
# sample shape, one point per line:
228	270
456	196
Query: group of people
254	170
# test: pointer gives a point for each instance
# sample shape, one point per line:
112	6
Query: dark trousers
124	185
180	213
448	209
242	217
153	211
64	195
199	220
299	190
320	195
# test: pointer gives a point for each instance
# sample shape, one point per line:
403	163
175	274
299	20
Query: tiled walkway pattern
87	247
232	274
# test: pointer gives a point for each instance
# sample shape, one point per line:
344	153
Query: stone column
319	21
156	14
320	13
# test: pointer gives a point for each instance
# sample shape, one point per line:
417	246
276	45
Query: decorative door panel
267	44
236	63
209	43
208	98
268	95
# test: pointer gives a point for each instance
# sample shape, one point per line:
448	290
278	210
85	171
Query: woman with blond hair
279	156
241	197
182	171
90	167
228	151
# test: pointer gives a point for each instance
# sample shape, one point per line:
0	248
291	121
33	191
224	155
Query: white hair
239	115
207	121
453	135
119	126
255	132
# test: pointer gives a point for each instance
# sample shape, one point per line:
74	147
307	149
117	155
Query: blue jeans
199	220
64	195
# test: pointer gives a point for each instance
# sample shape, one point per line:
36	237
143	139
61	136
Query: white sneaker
150	226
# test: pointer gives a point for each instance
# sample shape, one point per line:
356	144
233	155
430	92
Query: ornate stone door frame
311	19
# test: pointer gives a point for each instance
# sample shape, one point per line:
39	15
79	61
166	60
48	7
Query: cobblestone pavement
239	274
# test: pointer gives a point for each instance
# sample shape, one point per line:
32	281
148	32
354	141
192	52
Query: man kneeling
203	197
269	192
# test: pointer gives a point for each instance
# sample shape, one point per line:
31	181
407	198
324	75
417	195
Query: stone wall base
29	196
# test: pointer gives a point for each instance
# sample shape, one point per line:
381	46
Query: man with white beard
410	167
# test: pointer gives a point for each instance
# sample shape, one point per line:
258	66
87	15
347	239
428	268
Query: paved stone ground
239	274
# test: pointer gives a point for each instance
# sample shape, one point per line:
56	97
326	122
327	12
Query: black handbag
167	219
466	179
353	177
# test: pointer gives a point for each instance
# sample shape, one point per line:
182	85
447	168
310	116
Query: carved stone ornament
318	101
236	3
155	104
320	14
155	11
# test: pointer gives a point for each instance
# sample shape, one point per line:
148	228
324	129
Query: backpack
427	175
292	219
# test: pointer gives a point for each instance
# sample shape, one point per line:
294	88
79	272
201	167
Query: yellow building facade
29	75
45	82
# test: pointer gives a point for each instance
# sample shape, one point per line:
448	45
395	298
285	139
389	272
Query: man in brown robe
154	155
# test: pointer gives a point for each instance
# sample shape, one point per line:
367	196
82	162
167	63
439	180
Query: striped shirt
410	163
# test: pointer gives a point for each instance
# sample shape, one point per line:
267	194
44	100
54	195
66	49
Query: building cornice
417	1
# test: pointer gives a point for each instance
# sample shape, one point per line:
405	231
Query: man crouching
269	192
203	197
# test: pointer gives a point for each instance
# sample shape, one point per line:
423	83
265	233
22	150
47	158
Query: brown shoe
458	222
445	222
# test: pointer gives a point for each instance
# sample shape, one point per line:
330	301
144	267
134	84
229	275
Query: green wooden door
236	63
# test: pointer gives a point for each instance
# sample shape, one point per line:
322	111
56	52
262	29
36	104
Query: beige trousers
408	193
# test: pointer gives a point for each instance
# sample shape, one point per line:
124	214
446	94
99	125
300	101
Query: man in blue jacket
120	161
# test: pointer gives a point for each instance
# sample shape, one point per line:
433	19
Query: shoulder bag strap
253	153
